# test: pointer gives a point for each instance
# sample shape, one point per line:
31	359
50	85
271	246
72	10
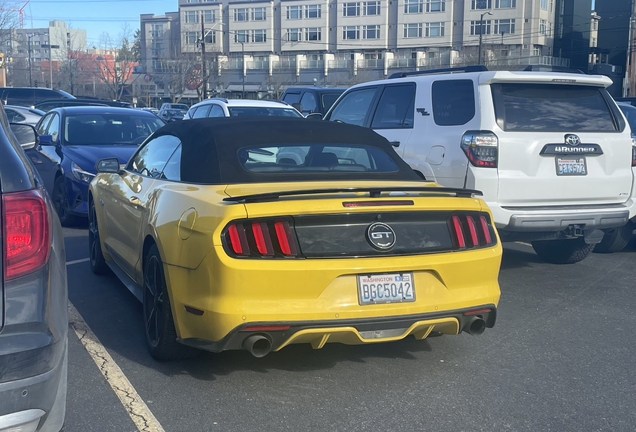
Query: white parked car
551	151
221	107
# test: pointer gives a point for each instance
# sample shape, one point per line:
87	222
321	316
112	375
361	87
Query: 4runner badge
573	140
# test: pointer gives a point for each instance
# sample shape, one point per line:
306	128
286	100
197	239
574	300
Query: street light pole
29	37
243	66
50	47
203	71
481	32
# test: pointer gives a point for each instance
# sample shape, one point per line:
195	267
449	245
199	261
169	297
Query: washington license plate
386	288
571	166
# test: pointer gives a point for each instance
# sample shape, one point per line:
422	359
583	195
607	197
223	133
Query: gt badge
381	236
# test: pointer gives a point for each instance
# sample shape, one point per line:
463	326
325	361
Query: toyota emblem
381	236
573	140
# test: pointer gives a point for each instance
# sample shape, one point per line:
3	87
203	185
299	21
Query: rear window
312	158
263	111
328	99
551	108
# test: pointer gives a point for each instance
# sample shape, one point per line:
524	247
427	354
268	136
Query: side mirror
45	140
25	134
298	106
314	116
108	165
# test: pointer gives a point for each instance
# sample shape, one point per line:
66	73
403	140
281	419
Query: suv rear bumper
559	218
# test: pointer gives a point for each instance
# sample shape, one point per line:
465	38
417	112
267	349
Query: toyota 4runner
551	151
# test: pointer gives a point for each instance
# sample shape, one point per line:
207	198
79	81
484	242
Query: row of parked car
258	203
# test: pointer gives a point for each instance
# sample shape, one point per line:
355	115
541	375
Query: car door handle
395	143
134	200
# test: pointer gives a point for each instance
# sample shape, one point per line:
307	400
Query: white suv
221	107
551	151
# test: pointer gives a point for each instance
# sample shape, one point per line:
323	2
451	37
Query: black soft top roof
210	147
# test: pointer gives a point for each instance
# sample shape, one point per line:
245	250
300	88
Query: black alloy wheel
158	322
60	202
98	263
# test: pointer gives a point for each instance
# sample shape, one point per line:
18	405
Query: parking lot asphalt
559	359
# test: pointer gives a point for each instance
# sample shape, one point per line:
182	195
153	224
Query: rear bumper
558	218
350	332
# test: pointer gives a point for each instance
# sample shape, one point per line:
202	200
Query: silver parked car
33	315
20	114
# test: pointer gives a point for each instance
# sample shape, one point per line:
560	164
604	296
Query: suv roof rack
472	68
222	99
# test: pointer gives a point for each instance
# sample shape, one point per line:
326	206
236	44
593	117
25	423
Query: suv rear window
551	108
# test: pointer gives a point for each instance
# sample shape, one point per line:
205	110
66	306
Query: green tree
135	48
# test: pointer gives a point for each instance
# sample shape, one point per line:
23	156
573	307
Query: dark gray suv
33	294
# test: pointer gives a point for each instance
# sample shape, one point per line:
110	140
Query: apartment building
332	41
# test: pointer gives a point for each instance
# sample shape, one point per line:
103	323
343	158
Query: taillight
272	238
633	152
472	230
481	148
26	233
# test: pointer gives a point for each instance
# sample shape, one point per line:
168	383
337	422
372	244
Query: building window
594	25
544	4
294	12
156	30
210	38
191	17
412	30
351	32
413	6
350	9
259	14
191	38
593	42
542	26
209	16
435	5
259	36
475	27
506	4
312	11
504	26
371	8
241	36
435	29
313	34
537	50
480	4
371	32
294	34
240	14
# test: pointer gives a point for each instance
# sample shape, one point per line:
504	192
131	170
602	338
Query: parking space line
130	399
83	260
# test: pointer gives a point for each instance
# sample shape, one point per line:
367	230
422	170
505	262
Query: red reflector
376	203
484	227
267	328
473	230
261	236
459	233
477	311
26	233
285	240
193	311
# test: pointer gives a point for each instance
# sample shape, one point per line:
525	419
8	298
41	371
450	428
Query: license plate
386	288
571	166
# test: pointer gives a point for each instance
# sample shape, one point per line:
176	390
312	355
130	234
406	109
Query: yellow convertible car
260	233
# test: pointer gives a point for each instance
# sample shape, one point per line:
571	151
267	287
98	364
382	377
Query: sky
94	16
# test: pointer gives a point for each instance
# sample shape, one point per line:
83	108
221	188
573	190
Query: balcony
340	64
312	64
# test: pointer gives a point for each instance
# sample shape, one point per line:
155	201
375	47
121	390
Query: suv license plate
571	166
386	288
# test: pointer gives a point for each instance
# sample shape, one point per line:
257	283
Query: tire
562	251
60	202
96	257
616	239
159	329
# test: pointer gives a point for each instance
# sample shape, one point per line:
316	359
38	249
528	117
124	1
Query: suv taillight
633	151
26	232
271	238
481	148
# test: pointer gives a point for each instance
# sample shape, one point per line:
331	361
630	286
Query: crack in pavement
134	405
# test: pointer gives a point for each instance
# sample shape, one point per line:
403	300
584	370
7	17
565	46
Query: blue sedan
73	139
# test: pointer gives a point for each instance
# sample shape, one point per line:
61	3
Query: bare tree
113	64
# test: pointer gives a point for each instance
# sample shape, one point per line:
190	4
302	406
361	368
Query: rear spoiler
373	193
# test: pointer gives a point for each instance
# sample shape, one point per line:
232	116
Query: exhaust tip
258	345
475	326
